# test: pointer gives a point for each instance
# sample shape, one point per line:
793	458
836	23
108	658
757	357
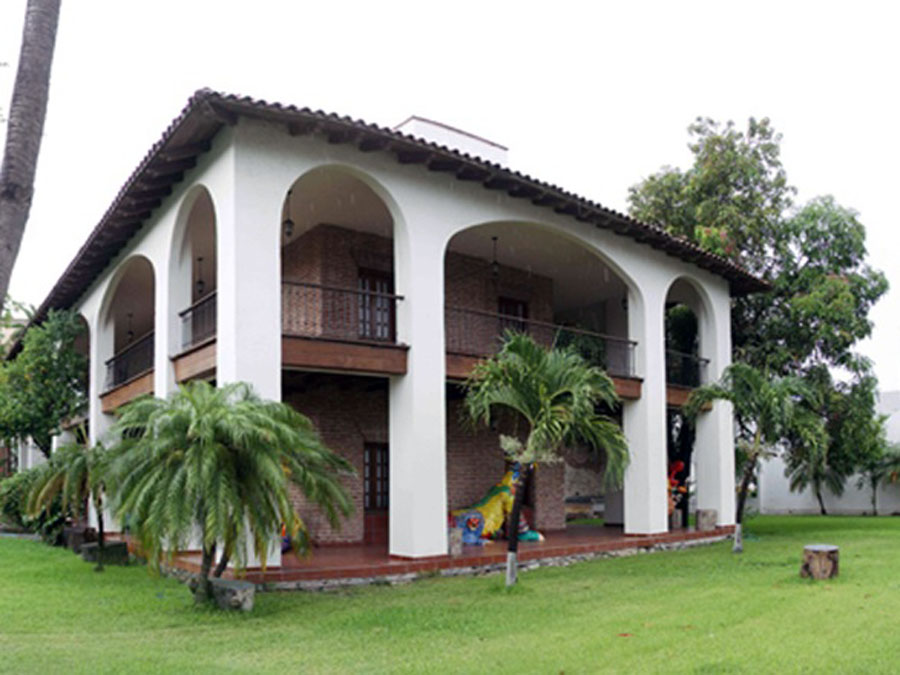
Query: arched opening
685	309
127	322
528	278
192	273
339	318
337	259
686	368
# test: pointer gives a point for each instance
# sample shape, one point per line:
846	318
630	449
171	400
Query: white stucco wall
775	496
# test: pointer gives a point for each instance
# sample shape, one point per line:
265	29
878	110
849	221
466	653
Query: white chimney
455	139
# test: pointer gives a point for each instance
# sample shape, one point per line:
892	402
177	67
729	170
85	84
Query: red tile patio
359	561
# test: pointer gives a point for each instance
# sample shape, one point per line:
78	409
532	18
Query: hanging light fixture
200	285
130	333
287	224
495	266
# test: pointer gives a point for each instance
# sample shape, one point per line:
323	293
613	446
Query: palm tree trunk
25	128
222	566
512	534
101	537
821	502
742	500
204	587
874	498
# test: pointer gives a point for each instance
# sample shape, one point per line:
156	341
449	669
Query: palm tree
769	411
808	467
25	128
219	462
76	473
557	395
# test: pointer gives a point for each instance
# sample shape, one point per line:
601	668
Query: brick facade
350	412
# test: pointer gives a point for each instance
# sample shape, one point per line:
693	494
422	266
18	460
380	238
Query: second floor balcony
132	361
685	370
472	332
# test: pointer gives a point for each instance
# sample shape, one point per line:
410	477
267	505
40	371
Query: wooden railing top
130	347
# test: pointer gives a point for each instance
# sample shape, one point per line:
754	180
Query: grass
702	610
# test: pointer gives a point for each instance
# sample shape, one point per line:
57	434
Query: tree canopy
735	200
46	384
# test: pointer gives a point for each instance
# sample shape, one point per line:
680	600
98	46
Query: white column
417	418
644	420
248	330
248	342
714	444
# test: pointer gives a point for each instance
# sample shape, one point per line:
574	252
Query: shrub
14	496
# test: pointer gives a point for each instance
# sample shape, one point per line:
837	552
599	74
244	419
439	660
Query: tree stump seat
820	561
233	594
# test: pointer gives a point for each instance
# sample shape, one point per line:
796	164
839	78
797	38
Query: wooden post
820	561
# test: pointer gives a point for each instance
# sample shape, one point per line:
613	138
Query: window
376	306
375	477
514	315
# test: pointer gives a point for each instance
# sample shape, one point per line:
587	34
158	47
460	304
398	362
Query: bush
14	490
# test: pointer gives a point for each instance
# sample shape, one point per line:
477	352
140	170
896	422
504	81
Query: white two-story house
358	273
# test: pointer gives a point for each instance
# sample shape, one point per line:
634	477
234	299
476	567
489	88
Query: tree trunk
742	500
512	534
222	566
874	498
821	502
24	129
101	539
204	588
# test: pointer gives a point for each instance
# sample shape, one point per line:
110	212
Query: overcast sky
588	97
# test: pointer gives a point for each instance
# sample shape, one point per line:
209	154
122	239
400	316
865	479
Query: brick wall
350	412
348	415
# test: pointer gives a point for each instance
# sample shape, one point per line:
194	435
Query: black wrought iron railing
135	359
477	333
685	370
315	310
198	322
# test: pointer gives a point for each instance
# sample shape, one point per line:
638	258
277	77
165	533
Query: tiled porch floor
354	561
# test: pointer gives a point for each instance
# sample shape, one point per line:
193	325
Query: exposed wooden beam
141	203
219	114
302	128
438	163
373	143
163	180
124	216
405	156
473	173
169	168
189	150
163	191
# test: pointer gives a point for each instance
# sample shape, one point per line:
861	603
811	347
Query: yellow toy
484	519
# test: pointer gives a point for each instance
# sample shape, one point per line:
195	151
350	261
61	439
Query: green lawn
700	610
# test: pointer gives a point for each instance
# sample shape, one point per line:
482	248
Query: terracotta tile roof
207	112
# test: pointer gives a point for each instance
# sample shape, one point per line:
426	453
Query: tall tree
219	461
735	200
769	411
25	129
557	396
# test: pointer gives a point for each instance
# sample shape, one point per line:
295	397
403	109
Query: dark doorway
375	493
